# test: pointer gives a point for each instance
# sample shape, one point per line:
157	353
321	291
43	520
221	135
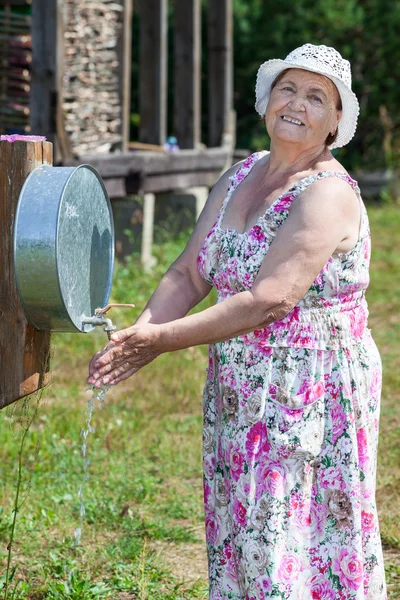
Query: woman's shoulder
331	195
237	172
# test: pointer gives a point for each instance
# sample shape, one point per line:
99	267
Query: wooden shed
66	73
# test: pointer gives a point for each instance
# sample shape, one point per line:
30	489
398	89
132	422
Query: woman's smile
292	120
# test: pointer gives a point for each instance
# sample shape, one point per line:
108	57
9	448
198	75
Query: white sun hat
318	59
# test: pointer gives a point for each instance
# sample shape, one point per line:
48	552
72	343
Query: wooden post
24	351
148	260
44	68
153	71
220	65
125	61
187	35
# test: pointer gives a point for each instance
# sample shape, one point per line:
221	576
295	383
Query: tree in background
365	32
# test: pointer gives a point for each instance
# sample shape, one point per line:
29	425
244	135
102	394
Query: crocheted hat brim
269	71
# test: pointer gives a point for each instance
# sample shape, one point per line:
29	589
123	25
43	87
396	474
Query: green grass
143	498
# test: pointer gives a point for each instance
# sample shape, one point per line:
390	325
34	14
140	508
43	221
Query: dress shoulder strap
304	183
240	174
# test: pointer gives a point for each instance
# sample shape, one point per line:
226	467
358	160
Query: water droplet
77	535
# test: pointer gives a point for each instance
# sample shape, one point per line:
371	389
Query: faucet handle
102	311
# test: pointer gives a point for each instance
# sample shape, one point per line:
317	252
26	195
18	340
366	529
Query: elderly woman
291	402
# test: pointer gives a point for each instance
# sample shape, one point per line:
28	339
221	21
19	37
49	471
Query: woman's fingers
115	352
113	359
123	334
123	376
98	356
134	348
118	378
116	366
116	375
116	371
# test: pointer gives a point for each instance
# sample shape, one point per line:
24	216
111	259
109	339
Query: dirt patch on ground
391	555
187	562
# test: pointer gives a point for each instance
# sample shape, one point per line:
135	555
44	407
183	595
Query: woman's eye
316	99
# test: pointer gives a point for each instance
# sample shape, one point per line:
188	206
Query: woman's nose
297	102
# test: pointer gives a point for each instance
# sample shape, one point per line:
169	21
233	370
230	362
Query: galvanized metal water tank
63	247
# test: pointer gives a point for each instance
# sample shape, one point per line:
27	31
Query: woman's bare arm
317	223
181	288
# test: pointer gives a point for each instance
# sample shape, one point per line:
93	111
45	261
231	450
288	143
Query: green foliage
366	33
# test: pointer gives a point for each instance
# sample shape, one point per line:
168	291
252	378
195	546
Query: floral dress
291	416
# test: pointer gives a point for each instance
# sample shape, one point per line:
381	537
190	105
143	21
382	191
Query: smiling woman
303	107
292	397
317	96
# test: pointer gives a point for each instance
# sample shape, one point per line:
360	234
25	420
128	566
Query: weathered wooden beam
24	351
177	181
220	66
153	71
144	163
44	69
187	37
125	61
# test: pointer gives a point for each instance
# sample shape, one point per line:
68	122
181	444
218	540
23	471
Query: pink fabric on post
16	137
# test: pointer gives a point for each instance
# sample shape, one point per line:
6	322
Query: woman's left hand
129	350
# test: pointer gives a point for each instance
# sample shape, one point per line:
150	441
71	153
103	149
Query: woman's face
302	109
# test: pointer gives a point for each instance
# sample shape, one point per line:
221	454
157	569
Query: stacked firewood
15	69
91	76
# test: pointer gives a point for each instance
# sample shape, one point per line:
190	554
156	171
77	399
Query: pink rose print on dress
249	161
376	383
366	249
274	483
320	588
283	204
257	441
312	391
358	320
209	469
301	510
362	443
212	528
235	459
210	368
200	263
330	478
289	568
207	492
256	234
318	516
348	566
264	585
239	512
367	522
339	421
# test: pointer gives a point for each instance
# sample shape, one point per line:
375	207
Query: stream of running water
97	398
